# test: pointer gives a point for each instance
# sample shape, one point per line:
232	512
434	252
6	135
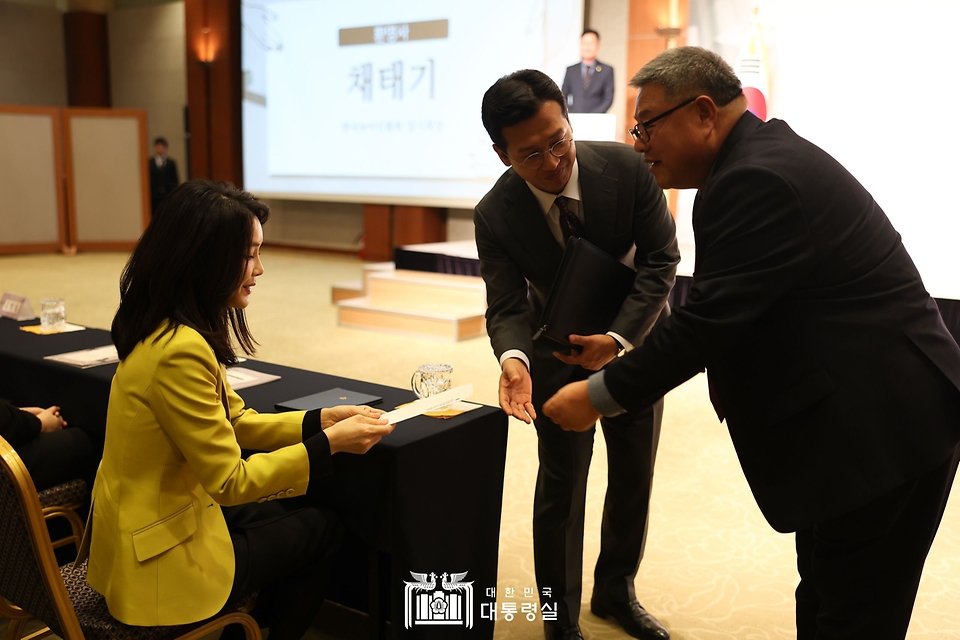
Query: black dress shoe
632	617
556	632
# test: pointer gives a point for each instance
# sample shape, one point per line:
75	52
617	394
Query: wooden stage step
346	290
355	288
426	304
416	318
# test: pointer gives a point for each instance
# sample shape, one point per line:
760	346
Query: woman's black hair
187	265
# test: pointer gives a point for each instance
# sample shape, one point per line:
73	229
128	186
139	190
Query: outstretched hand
597	351
332	415
516	391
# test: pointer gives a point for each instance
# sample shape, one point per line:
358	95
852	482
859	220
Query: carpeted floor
713	568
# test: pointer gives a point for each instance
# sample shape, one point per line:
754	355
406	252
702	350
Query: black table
426	499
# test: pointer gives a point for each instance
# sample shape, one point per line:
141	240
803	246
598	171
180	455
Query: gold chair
63	501
32	585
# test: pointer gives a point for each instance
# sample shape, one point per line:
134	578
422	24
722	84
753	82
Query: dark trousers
859	573
559	505
283	549
57	457
60	456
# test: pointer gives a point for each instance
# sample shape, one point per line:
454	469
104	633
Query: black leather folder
586	295
327	399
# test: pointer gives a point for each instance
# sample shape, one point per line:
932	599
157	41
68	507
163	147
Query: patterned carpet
713	569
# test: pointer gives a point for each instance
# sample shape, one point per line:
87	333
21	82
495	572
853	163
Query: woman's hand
333	415
358	433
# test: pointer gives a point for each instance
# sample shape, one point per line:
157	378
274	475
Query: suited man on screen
163	173
838	380
588	86
606	196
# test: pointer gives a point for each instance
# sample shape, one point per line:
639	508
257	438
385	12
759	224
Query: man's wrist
600	396
623	345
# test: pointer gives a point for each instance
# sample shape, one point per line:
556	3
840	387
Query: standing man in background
588	86
163	173
553	190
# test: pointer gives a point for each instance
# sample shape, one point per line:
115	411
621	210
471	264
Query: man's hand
571	408
516	391
598	350
333	415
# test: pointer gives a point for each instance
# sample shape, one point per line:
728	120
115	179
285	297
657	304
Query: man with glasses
829	361
555	189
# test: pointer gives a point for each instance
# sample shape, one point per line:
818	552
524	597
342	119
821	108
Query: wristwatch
623	350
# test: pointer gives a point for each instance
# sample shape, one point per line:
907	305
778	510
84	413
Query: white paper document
86	358
432	403
241	378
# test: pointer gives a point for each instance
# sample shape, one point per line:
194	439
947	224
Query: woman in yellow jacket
181	522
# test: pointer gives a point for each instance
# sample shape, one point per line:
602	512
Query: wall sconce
205	58
672	30
205	53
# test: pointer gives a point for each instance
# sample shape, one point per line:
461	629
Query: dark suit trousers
559	504
60	456
859	573
282	548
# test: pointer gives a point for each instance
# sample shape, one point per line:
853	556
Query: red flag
752	68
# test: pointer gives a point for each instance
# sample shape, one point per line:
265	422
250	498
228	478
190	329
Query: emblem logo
425	604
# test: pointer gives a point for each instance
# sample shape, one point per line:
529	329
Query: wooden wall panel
32	212
646	40
377	232
88	59
107	180
416	225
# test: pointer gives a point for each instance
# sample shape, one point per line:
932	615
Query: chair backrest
29	575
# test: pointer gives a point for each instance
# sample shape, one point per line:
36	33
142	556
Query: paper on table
86	358
430	403
38	329
241	378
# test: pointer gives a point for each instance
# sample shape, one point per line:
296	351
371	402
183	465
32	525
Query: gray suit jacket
519	256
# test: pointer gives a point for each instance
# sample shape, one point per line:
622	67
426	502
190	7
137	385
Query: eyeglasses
557	149
640	132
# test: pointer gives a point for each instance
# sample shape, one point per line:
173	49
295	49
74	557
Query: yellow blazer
160	552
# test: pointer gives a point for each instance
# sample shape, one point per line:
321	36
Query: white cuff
515	353
627	346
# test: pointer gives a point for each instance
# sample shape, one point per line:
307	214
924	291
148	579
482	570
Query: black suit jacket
837	376
519	256
17	426
596	98
163	180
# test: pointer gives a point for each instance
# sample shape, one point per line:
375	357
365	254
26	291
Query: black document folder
327	399
587	293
